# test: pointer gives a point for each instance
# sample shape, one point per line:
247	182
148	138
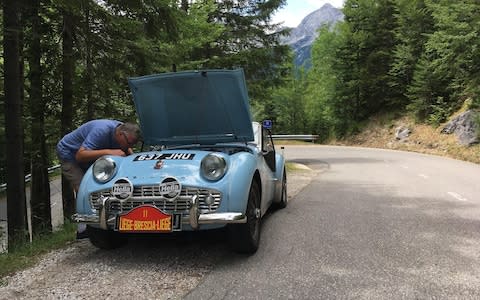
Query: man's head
127	135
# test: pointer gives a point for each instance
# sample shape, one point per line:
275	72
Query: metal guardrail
297	137
28	177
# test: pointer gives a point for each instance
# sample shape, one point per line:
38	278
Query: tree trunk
89	64
185	5
16	212
40	187
67	102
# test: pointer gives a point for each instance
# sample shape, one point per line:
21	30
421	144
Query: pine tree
322	79
413	25
447	71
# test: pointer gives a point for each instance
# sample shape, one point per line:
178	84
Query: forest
66	62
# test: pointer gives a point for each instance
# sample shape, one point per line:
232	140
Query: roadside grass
26	255
290	167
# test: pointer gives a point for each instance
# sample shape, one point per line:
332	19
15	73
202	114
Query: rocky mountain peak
302	37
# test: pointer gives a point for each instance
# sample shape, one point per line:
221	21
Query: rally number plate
147	219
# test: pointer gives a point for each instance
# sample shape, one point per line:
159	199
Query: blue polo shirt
93	135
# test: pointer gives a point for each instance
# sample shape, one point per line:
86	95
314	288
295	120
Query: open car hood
193	107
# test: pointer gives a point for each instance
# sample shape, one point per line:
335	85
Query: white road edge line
457	196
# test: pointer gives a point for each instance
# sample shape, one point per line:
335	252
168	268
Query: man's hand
117	152
87	155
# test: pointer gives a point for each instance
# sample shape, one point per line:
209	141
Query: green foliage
321	89
425	89
446	72
289	105
413	24
195	32
440	112
249	41
350	69
368	46
475	103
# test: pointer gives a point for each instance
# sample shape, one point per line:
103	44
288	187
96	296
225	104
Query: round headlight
213	167
104	169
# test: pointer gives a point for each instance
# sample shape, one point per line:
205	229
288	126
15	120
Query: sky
295	10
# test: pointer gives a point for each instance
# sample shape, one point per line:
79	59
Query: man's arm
87	155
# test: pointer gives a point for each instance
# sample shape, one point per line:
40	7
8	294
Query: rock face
464	127
402	133
302	37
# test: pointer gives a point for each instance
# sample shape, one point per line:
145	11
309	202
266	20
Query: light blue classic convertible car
204	165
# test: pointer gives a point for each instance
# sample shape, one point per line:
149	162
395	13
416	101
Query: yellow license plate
145	218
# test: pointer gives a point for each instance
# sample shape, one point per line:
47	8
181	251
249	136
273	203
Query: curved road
373	224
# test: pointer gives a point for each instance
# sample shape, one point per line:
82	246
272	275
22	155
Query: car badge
170	188
122	189
158	165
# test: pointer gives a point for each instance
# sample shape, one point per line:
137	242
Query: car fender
88	184
242	169
82	204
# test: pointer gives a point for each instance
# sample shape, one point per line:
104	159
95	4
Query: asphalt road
373	224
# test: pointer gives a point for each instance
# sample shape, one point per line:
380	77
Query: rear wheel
245	238
105	239
283	197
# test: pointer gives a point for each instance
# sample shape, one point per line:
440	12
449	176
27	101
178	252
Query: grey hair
132	129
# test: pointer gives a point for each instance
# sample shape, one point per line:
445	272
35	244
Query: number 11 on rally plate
145	218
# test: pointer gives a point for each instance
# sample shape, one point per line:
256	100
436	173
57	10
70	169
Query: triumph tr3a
203	165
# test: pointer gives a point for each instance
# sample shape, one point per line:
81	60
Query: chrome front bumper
194	219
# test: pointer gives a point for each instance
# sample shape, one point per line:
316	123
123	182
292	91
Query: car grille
151	195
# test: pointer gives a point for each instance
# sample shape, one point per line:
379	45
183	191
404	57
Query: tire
283	197
245	238
105	239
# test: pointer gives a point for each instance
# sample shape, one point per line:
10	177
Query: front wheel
105	239
245	238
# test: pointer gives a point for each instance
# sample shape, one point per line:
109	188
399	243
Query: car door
268	149
268	171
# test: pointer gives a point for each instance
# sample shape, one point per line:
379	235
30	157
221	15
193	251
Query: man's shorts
73	173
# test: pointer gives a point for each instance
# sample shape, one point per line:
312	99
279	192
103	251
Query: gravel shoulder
162	267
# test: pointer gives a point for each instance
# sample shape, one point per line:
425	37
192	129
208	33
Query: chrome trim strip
215	218
194	212
222	218
79	218
150	195
103	212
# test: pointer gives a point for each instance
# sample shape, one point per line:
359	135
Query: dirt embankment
380	133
